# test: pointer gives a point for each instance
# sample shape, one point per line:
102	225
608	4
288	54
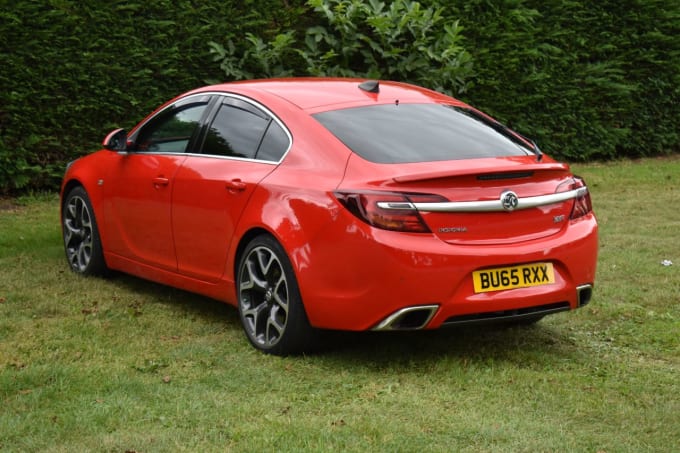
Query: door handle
236	185
160	181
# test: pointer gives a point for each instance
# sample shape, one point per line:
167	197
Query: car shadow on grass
483	342
183	302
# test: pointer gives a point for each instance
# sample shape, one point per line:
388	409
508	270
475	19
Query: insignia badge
509	200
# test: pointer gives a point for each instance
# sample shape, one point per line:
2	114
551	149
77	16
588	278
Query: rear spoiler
491	170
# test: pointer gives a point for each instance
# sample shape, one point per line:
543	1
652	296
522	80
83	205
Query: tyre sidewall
97	264
298	335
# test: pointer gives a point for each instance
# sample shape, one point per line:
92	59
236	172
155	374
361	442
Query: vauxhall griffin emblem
509	200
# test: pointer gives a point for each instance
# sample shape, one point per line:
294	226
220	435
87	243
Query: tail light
388	210
582	204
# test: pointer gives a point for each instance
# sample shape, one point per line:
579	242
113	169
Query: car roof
321	94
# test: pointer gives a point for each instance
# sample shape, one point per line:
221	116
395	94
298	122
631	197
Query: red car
339	204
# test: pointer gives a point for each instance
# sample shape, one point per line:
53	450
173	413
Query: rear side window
274	144
402	133
240	129
236	130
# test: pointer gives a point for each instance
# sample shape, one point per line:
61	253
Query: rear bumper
419	317
386	280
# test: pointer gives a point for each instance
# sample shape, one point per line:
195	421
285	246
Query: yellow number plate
503	278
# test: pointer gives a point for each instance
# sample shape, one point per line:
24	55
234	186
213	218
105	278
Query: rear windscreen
401	133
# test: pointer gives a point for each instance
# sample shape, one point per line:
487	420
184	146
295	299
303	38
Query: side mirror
116	140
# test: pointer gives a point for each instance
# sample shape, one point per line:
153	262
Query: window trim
215	99
234	103
182	104
219	100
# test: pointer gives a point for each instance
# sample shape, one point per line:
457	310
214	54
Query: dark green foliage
354	38
71	70
587	80
400	41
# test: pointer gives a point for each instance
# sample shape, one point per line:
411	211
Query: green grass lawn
126	365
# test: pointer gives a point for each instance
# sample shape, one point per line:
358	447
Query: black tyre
81	236
269	301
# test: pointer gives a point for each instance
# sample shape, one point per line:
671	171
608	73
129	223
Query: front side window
403	133
171	131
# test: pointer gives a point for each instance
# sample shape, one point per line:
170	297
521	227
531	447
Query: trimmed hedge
73	70
587	80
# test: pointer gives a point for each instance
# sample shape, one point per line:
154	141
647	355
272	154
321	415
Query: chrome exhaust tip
410	318
584	294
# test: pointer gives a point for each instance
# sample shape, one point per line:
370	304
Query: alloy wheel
78	233
264	297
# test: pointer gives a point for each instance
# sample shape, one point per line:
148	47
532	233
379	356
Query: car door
139	190
243	143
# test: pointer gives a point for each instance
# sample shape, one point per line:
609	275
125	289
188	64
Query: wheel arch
93	195
243	243
69	186
77	177
251	234
297	219
66	188
96	263
261	298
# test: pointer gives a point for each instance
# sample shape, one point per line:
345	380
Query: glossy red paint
184	218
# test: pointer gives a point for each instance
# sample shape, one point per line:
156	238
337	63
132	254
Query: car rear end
472	225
